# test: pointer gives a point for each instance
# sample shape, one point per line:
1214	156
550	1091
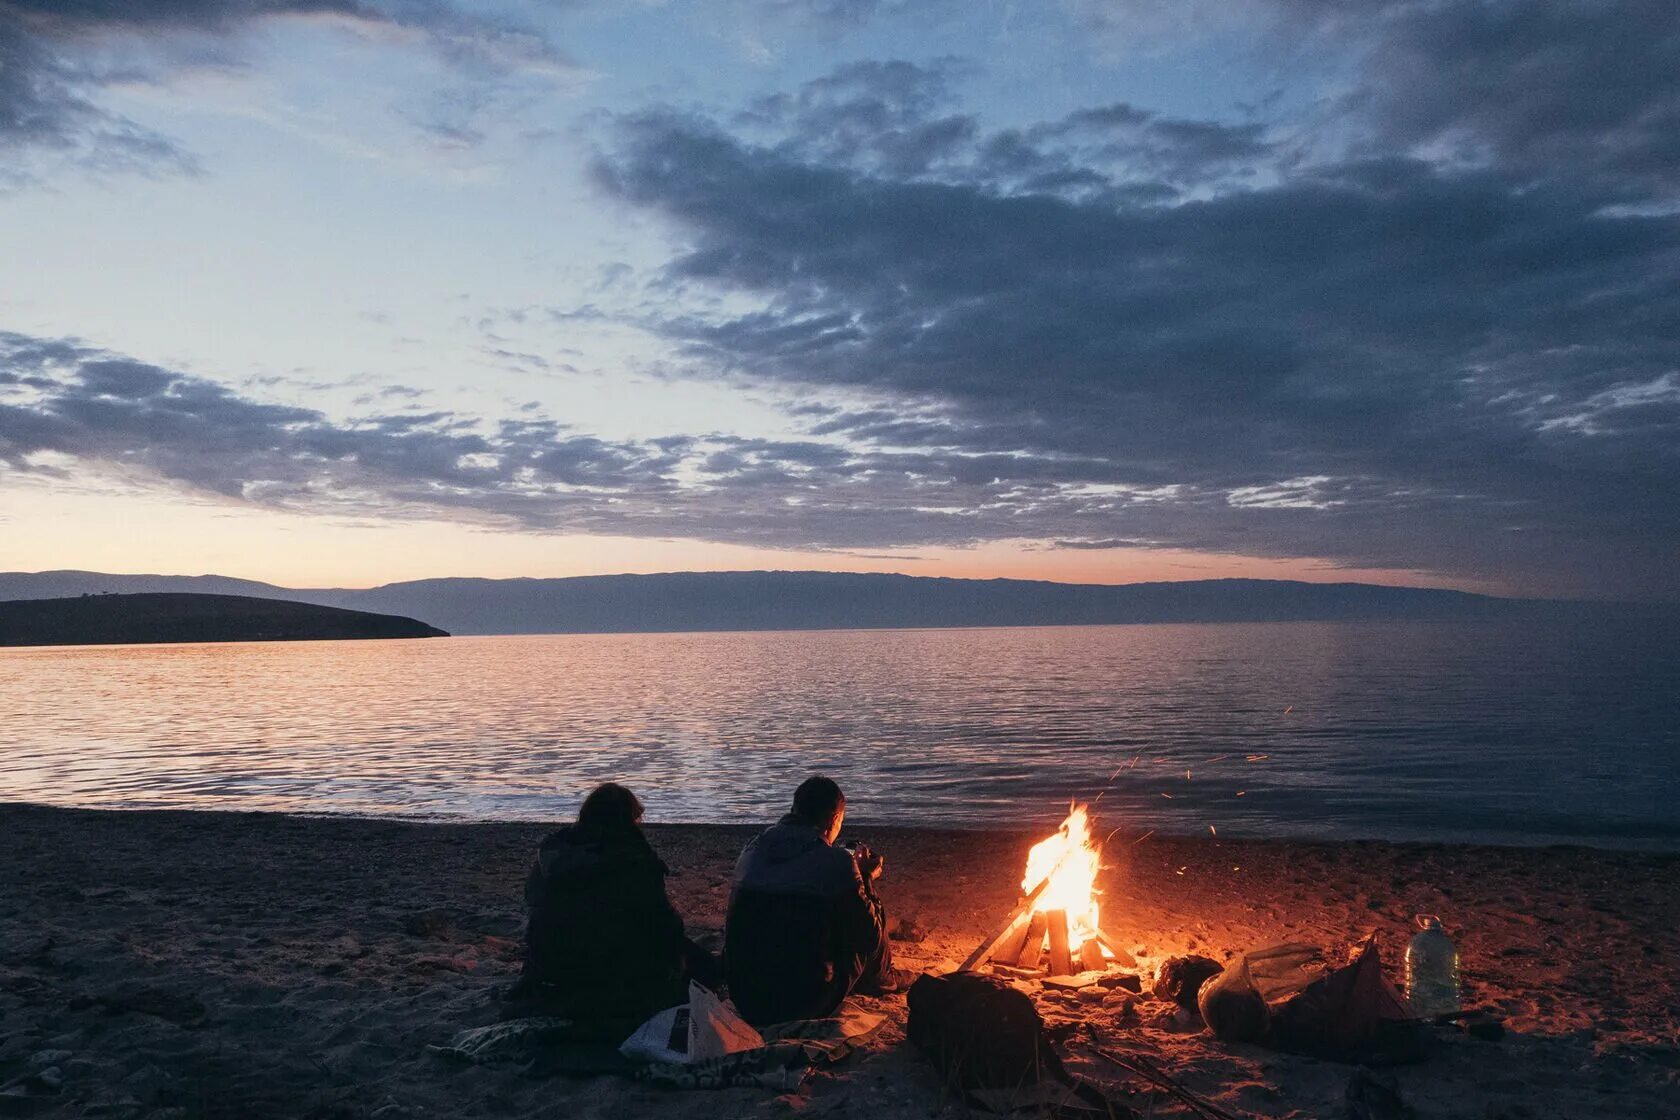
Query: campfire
1055	930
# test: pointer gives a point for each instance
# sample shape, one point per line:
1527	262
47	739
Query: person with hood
604	946
805	927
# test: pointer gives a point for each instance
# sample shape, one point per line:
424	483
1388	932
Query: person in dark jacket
805	927
604	946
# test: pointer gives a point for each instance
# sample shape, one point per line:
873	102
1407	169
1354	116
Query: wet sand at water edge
210	964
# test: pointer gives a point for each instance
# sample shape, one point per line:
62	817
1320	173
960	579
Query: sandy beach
207	964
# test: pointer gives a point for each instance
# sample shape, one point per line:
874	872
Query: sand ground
206	964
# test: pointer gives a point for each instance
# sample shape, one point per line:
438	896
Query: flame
1070	861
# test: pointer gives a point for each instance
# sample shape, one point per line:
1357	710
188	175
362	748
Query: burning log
1010	948
1061	961
1032	953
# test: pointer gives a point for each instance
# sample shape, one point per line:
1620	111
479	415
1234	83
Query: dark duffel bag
988	1043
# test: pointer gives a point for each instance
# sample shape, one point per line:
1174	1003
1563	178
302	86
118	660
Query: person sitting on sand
805	927
604	946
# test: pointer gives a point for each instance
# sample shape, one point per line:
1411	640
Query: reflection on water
1508	732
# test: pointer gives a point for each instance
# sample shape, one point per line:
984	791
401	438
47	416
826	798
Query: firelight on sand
1070	861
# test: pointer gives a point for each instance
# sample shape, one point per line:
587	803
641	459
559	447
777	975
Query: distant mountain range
824	600
181	617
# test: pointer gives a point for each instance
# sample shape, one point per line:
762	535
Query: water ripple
1512	732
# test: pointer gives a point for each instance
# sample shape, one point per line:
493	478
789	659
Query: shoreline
1644	844
269	964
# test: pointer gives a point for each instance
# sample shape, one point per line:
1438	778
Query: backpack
1353	1015
989	1045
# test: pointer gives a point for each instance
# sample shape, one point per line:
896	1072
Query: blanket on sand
550	1046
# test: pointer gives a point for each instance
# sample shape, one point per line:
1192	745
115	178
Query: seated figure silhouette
805	927
604	946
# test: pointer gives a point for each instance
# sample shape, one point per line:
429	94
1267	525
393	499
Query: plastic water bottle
1431	970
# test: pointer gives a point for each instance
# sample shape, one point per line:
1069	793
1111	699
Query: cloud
99	408
115	377
1381	358
55	58
1543	88
1100	544
884	114
68	408
63	405
44	107
902	120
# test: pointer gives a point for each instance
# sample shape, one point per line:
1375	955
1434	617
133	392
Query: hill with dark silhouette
147	618
840	600
834	600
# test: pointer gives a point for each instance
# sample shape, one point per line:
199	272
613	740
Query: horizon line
842	572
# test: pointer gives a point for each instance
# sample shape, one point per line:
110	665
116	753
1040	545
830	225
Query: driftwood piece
1091	956
1022	912
984	952
1032	953
1121	956
1061	961
1125	981
1008	950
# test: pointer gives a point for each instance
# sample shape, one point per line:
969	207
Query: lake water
1514	733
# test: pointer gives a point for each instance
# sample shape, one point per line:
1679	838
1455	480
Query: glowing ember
1070	860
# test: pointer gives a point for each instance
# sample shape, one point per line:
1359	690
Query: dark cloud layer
901	120
1547	87
64	406
1395	356
49	81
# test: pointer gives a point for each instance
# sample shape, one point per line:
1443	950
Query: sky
341	292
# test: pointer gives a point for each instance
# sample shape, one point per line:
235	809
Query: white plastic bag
651	1041
705	1027
714	1029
